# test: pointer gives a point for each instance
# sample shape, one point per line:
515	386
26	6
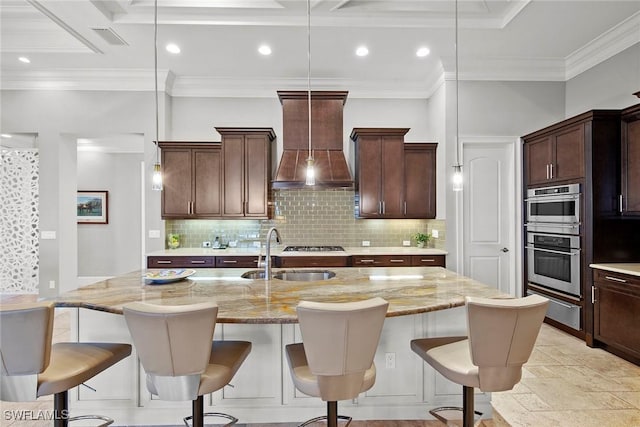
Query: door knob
504	250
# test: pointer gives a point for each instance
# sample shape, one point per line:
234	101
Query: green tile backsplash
309	217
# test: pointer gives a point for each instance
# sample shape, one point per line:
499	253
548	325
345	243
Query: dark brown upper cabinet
192	179
420	180
246	156
556	157
379	176
630	182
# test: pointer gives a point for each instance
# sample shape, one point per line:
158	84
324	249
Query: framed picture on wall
93	207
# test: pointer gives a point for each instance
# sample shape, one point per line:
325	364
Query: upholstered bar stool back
181	360
335	359
33	367
501	336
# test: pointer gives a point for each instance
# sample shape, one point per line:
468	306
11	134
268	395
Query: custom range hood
331	166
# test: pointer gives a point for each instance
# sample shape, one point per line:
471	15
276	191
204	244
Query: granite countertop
278	251
632	268
409	290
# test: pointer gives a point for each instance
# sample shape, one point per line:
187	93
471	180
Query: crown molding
603	47
86	79
511	69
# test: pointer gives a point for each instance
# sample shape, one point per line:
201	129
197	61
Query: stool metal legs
467	409
61	412
198	414
332	417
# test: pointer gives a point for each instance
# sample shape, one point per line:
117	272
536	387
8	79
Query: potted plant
422	239
173	240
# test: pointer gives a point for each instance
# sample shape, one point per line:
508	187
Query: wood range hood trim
332	170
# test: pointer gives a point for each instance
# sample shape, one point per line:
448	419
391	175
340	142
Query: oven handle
572	253
553	224
553	197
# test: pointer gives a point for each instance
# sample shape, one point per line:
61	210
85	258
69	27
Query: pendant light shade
156	179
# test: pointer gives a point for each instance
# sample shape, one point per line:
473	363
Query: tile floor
564	384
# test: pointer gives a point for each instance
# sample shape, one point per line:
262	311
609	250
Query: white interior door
489	214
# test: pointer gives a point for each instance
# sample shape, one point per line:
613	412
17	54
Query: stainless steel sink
253	274
304	275
292	275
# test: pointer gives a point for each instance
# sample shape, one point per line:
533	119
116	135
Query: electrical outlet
366	243
52	284
257	244
406	243
434	234
206	244
390	360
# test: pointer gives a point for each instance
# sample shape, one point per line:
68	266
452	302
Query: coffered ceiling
109	44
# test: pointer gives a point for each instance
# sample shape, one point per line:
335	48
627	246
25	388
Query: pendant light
156	180
457	168
311	172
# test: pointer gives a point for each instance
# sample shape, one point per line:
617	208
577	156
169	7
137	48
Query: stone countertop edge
631	268
278	251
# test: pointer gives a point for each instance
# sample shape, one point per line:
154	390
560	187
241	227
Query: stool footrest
435	413
324	417
214	414
107	420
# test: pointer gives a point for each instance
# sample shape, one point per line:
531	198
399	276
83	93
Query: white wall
609	85
114	248
57	117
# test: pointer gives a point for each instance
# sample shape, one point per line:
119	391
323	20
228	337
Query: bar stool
32	367
335	359
182	362
502	333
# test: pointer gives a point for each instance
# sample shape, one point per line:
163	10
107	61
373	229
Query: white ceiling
497	40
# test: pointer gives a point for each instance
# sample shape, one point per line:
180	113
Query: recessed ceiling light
422	52
264	50
24	59
362	51
5	135
173	48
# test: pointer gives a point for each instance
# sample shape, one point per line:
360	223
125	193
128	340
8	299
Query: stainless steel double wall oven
553	247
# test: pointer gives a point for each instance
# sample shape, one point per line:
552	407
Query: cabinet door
615	318
177	180
569	154
233	152
207	183
392	178
420	181
539	154
369	181
256	176
631	166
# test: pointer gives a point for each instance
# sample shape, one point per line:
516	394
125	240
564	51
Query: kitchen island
423	301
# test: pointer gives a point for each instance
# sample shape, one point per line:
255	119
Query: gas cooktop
313	248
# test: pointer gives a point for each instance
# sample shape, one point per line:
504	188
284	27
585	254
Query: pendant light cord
309	70
457	94
155	68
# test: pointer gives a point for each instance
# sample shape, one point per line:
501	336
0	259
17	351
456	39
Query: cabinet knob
504	250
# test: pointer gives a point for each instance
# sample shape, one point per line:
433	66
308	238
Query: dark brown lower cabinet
398	260
616	309
236	262
180	261
381	260
313	261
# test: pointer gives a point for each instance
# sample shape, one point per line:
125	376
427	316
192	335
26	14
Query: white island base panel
262	389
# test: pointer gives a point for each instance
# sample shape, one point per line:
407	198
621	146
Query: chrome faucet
267	257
